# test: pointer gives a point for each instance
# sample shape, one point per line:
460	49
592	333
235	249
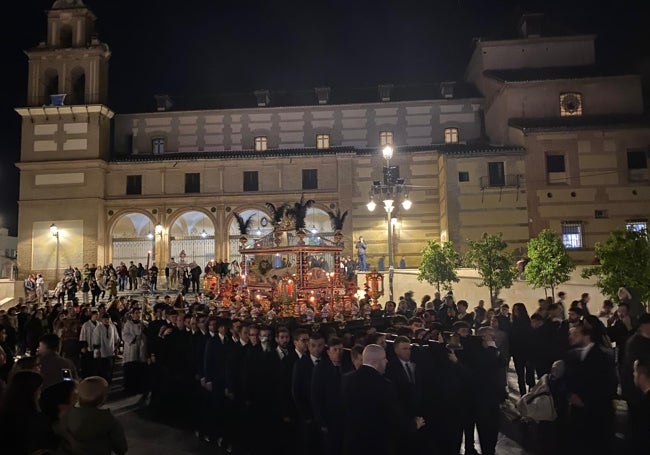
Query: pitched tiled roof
553	73
585	122
306	97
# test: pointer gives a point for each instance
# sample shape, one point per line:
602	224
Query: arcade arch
192	238
132	238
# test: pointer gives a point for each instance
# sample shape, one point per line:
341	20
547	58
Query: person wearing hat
89	429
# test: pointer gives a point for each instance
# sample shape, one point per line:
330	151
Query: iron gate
197	248
127	250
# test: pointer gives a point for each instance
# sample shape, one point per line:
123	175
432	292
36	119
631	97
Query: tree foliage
438	266
624	261
549	263
494	264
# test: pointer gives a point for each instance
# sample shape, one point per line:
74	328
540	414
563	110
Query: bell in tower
71	66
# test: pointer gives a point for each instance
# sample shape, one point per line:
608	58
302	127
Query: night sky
211	49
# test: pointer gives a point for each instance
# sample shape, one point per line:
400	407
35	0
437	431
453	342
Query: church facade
533	136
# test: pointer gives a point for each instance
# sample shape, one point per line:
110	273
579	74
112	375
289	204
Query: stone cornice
74	110
44	166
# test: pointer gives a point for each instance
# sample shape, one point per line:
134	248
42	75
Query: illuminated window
572	234
323	141
385	138
570	104
260	143
158	145
636	225
451	135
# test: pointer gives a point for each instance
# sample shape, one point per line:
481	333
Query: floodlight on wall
371	204
159	229
150	235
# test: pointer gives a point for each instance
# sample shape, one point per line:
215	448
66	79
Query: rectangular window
496	173
310	179
193	182
451	135
636	225
251	181
261	143
463	176
600	214
386	138
158	145
637	159
133	184
322	141
572	234
555	163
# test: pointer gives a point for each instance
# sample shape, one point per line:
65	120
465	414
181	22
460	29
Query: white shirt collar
585	351
314	359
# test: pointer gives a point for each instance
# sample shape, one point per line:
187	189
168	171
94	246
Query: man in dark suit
215	360
369	398
301	392
326	397
591	385
401	371
638	436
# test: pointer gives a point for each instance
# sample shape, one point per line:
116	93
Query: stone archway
132	238
192	238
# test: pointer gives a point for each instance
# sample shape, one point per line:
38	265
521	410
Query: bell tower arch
74	53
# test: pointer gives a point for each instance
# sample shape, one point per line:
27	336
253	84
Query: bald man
369	398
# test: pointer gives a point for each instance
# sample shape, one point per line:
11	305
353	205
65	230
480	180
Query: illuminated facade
474	161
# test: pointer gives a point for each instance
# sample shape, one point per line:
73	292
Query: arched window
65	36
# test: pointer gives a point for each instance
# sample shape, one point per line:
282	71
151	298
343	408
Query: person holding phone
52	364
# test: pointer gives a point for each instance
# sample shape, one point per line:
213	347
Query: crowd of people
413	377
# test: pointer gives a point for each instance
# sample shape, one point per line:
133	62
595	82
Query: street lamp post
390	192
55	233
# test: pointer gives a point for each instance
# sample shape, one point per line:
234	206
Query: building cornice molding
46	166
73	110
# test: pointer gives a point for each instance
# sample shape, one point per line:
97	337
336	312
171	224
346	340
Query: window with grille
463	176
386	138
251	181
133	184
310	179
158	145
636	225
193	182
451	135
572	234
261	143
323	141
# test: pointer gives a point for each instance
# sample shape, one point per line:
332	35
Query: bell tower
65	145
72	62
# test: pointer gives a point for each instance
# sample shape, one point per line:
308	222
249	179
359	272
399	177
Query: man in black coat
301	392
401	371
591	386
326	397
638	436
370	407
215	360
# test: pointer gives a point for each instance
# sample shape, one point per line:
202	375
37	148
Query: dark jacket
370	408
